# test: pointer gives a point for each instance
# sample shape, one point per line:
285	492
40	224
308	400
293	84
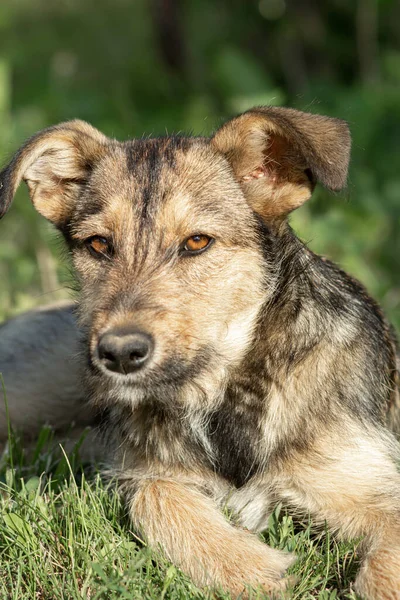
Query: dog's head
170	236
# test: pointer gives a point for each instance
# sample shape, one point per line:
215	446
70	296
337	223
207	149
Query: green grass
64	534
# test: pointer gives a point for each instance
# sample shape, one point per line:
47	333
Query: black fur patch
146	160
233	433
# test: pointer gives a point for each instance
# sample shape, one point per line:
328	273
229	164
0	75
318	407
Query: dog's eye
98	246
196	244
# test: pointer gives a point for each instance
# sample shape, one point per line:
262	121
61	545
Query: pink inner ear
256	174
260	172
282	164
274	165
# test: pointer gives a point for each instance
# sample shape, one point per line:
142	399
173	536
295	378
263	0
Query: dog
229	364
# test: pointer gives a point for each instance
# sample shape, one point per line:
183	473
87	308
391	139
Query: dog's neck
310	306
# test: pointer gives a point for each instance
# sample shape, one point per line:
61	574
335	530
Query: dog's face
169	260
169	236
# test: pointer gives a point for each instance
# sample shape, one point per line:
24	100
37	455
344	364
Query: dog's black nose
124	351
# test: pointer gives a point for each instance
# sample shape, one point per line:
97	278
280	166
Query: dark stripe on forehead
151	177
146	159
163	150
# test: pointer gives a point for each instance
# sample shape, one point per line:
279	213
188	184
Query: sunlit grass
64	534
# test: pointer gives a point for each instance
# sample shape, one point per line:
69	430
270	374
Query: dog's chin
155	382
107	377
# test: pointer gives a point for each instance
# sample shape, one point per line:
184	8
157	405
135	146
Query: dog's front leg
351	481
186	524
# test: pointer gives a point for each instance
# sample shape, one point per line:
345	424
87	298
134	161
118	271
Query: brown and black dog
230	364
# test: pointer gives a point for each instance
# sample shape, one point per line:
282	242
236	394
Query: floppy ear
278	155
55	163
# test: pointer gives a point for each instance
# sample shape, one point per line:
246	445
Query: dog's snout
124	351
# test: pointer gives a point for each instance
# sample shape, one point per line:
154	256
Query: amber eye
98	246
196	244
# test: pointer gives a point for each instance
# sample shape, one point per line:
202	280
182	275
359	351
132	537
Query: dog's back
41	370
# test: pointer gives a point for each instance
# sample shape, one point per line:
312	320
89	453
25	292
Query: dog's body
38	358
229	364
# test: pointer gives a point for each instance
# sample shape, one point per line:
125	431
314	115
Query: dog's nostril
138	354
124	351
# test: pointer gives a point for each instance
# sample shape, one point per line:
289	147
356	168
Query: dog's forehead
161	162
154	175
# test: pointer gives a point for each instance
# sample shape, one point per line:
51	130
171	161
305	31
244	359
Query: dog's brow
90	207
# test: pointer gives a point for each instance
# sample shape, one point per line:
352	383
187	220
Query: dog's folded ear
55	163
278	154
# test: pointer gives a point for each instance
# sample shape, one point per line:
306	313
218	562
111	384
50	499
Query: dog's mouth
152	376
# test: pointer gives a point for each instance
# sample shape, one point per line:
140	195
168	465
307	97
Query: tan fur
355	487
270	167
196	537
53	164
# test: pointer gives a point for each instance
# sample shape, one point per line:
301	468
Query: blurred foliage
150	66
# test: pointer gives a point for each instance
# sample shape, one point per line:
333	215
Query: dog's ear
278	154
55	163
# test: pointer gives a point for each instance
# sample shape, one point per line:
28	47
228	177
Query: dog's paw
379	577
280	590
260	568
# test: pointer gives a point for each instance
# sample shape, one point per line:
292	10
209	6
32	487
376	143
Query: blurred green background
150	66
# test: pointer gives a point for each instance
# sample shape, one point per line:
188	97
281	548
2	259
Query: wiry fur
274	374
